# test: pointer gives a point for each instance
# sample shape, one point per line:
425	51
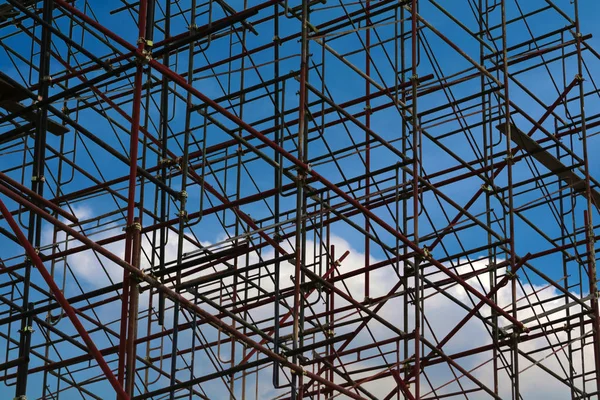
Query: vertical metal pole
133	158
368	145
488	151
511	217
405	199
183	215
331	310
301	176
151	12
238	224
134	294
164	136
34	231
415	194
277	198
593	284
589	224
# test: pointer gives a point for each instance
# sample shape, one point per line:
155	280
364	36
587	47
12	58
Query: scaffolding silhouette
388	199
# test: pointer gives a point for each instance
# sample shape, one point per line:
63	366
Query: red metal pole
186	303
38	198
133	157
60	298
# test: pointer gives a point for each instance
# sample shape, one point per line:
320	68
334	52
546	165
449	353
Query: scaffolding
373	199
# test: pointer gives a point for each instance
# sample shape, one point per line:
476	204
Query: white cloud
442	315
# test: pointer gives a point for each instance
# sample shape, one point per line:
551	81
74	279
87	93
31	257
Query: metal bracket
136	226
27	329
415	79
183	214
145	42
487	188
426	253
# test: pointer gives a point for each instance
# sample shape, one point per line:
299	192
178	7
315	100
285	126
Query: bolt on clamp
426	253
146	42
293	372
183	214
487	188
136	226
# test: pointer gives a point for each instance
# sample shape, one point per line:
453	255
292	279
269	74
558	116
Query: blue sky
343	85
